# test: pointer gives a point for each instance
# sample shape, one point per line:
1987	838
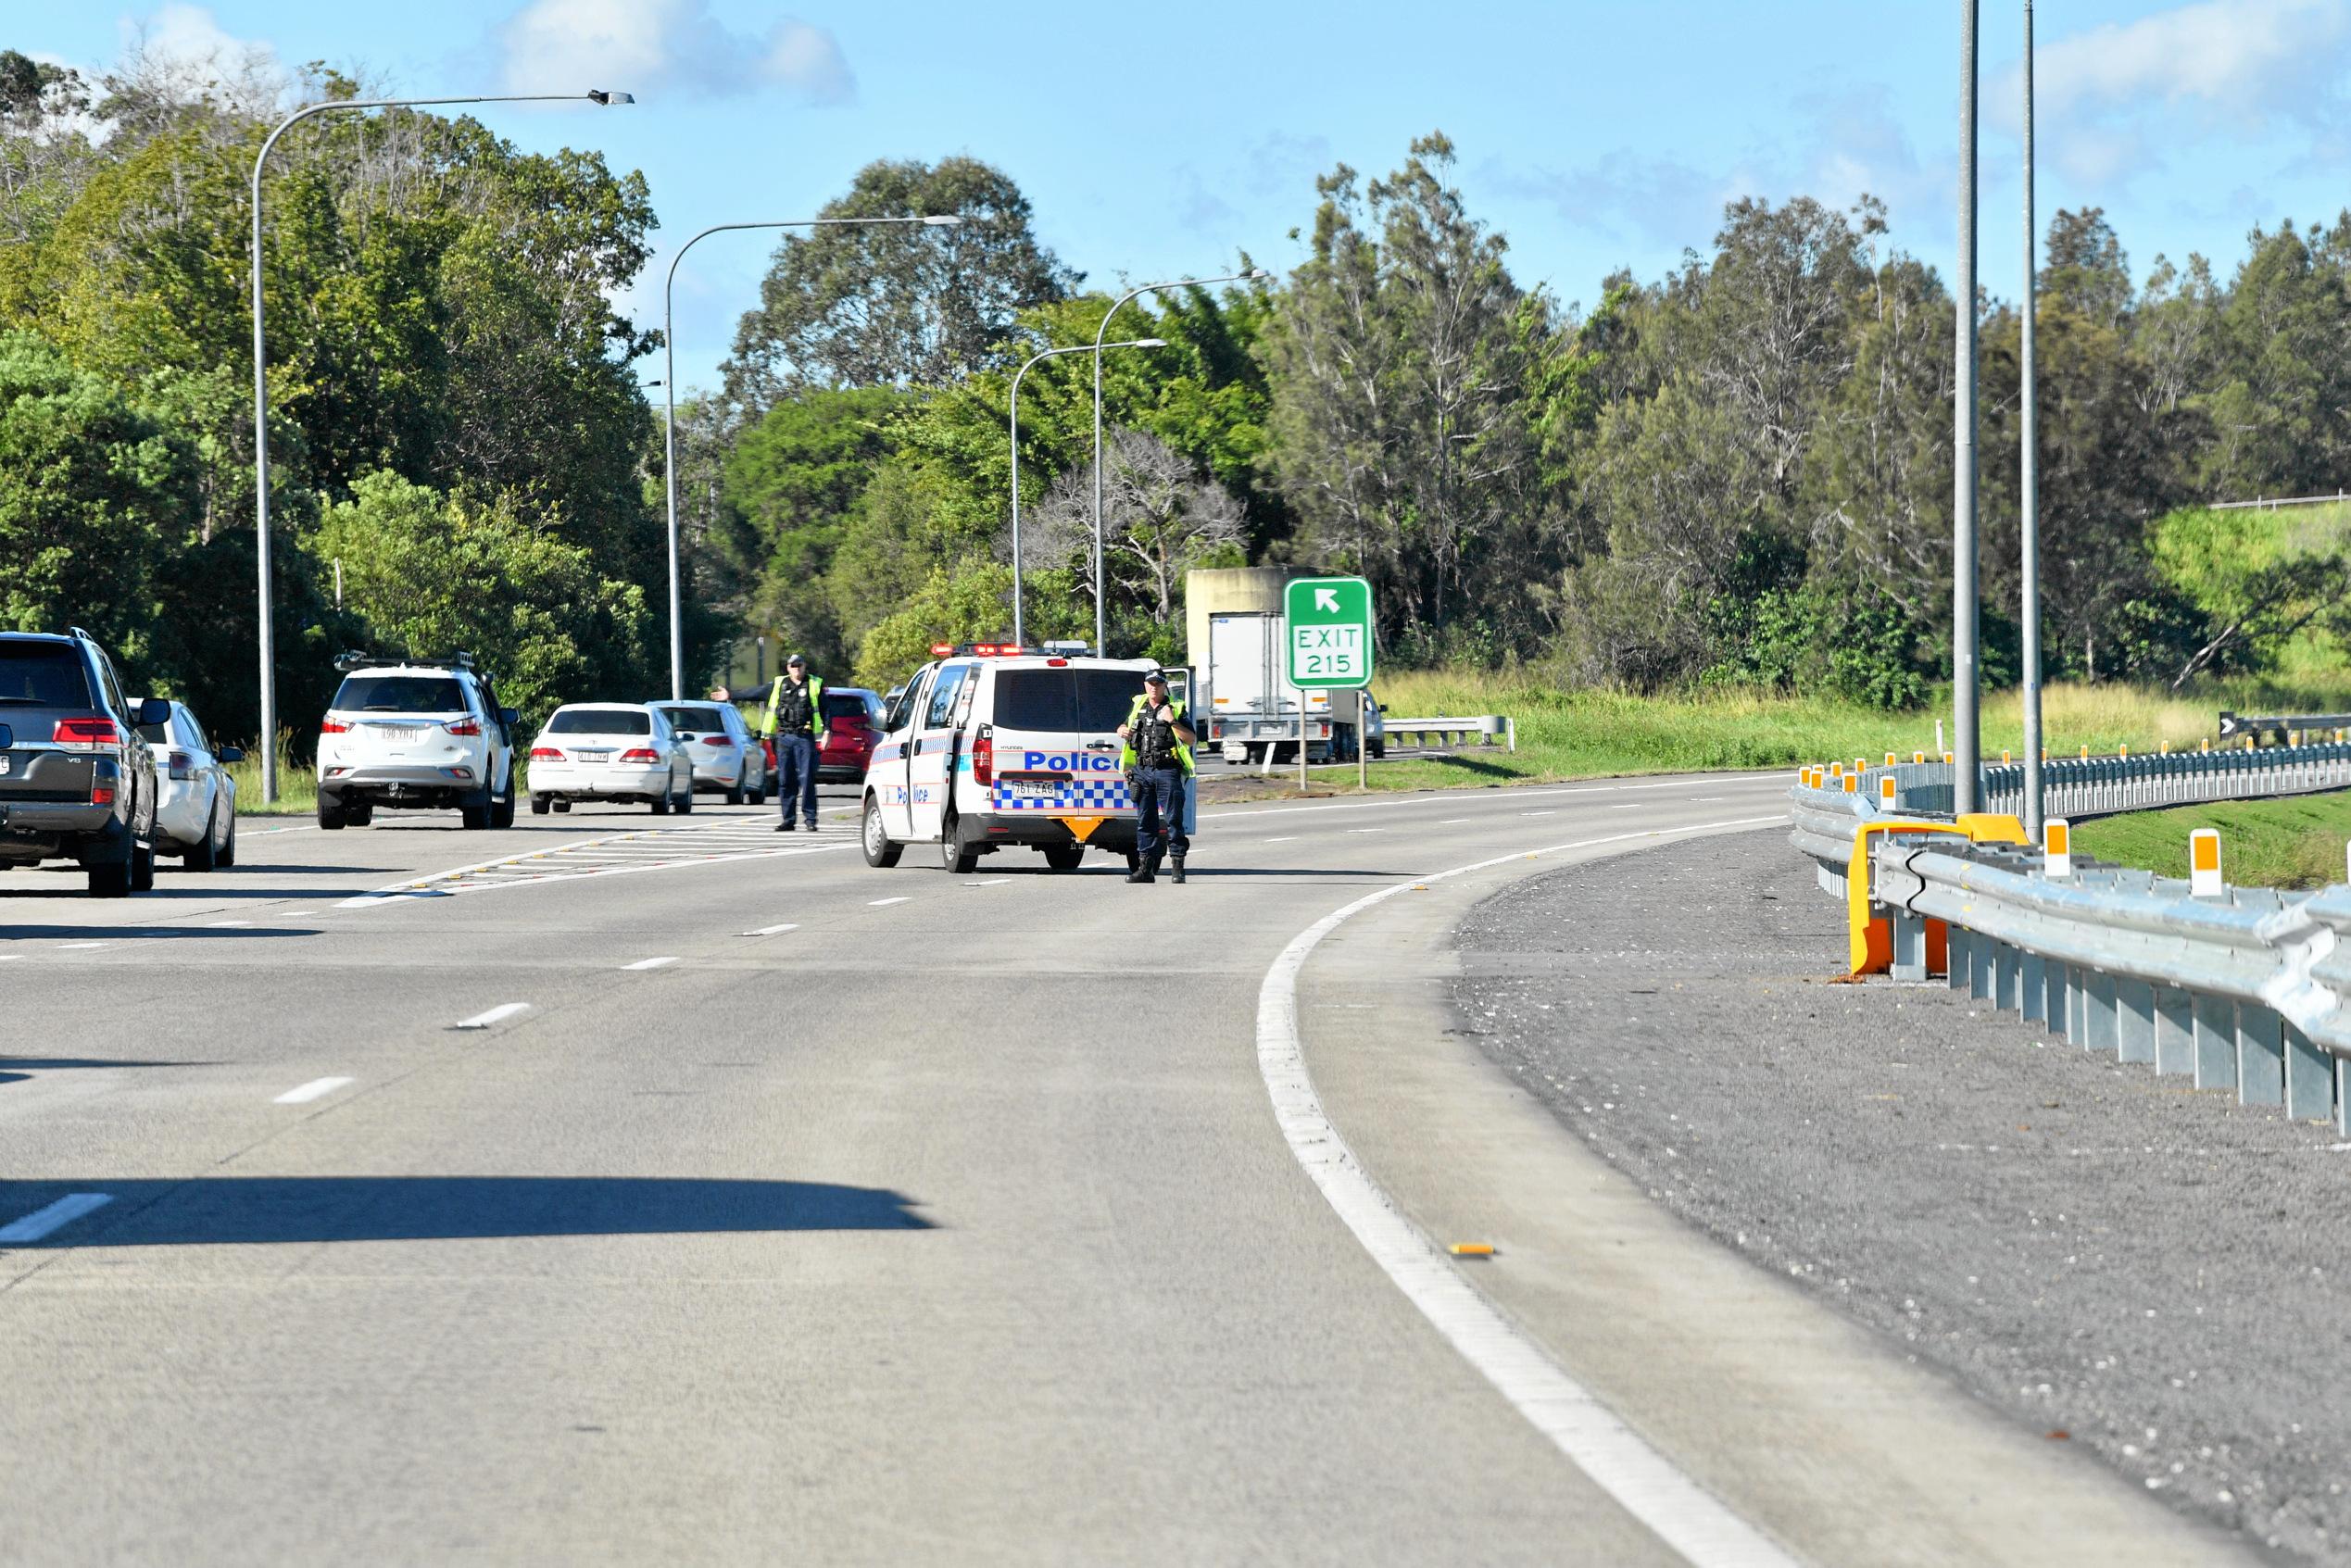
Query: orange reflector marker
2005	758
1861	764
1471	1249
1886	792
2056	847
2204	863
1946	757
1917	757
1889	759
2085	754
1852	783
2205	745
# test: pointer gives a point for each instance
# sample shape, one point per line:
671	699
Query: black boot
1148	871
1178	863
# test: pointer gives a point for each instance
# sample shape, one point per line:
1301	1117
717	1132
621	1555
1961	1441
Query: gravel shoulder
2110	1259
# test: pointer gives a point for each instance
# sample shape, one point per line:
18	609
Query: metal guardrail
2246	988
1488	727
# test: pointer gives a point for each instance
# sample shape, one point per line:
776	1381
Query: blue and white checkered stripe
1073	795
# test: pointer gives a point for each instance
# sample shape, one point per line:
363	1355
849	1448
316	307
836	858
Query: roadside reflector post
1889	759
2056	847
1888	800
1917	757
2123	752
1861	764
2005	758
1852	783
2085	754
2204	863
2205	745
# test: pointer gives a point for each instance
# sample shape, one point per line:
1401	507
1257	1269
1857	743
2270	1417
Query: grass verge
2294	841
298	786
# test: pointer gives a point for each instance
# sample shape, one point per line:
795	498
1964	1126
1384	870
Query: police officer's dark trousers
796	775
1159	805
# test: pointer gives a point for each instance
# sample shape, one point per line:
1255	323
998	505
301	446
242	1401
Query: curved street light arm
266	629
1020	638
1101	602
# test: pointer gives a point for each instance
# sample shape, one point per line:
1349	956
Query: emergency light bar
980	650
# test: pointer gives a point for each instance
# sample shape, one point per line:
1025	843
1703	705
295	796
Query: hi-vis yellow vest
1127	757
815	707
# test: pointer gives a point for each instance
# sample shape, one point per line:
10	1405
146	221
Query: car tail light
716	740
640	754
183	766
546	754
463	727
94	733
983	756
333	726
101	791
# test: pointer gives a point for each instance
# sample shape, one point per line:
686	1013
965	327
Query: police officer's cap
1155	677
796	662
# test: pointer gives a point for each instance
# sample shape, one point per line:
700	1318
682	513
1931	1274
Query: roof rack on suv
354	659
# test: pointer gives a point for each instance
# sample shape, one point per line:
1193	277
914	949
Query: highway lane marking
1366	830
41	1221
69	947
1286	838
774	930
1554	811
224	925
316	1088
1448	822
10	958
1674	1507
1503	796
877	903
991	882
497	1014
448	883
652	963
295	914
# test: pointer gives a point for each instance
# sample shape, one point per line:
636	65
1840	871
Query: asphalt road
2087	1248
773	1208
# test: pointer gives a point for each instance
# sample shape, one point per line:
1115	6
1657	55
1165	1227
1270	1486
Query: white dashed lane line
316	1088
63	1213
79	947
652	963
774	930
877	903
497	1014
224	925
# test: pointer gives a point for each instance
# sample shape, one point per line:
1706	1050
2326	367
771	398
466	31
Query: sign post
1329	620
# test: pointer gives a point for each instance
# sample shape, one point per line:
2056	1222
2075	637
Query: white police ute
990	747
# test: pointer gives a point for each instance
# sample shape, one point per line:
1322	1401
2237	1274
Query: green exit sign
1330	632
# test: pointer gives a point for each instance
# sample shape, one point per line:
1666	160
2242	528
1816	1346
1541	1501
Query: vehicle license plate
398	731
1032	789
592	756
8	766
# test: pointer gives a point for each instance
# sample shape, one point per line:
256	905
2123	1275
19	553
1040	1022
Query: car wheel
142	866
741	788
1065	856
331	817
661	805
879	851
111	879
228	855
958	857
205	853
360	816
502	813
559	806
538	805
1380	749
685	797
474	819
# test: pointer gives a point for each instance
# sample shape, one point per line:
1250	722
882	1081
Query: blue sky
1159	142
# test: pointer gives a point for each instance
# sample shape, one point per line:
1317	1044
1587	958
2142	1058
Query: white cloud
647	45
2237	57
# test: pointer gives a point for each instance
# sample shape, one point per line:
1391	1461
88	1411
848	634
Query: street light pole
1020	637
669	386
2029	495
1966	678
268	742
1101	619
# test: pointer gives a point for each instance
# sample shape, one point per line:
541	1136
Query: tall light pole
1102	617
2028	500
261	383
1966	678
1019	624
669	384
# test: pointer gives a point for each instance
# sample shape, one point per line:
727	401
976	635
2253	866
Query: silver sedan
195	811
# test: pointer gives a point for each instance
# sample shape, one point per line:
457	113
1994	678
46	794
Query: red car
852	728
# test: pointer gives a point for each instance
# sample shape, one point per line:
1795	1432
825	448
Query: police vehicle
992	747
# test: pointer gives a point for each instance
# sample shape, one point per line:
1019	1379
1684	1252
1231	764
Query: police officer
1158	759
794	721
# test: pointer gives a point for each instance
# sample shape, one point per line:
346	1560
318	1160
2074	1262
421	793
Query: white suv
984	752
417	735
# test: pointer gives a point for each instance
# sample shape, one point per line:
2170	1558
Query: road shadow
248	1210
9	933
17	1069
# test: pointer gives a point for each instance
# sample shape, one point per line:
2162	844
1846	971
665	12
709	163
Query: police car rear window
400	693
1064	699
601	722
42	675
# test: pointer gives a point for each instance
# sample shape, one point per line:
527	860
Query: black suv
76	781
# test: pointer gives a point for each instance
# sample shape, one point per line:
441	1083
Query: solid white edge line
41	1221
497	1014
652	963
1674	1507
316	1088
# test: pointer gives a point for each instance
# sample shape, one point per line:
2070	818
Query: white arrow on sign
1326	598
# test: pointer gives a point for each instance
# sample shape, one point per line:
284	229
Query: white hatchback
609	751
727	760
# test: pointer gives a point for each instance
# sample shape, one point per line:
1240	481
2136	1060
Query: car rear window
601	722
693	718
845	704
400	693
43	675
1066	700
